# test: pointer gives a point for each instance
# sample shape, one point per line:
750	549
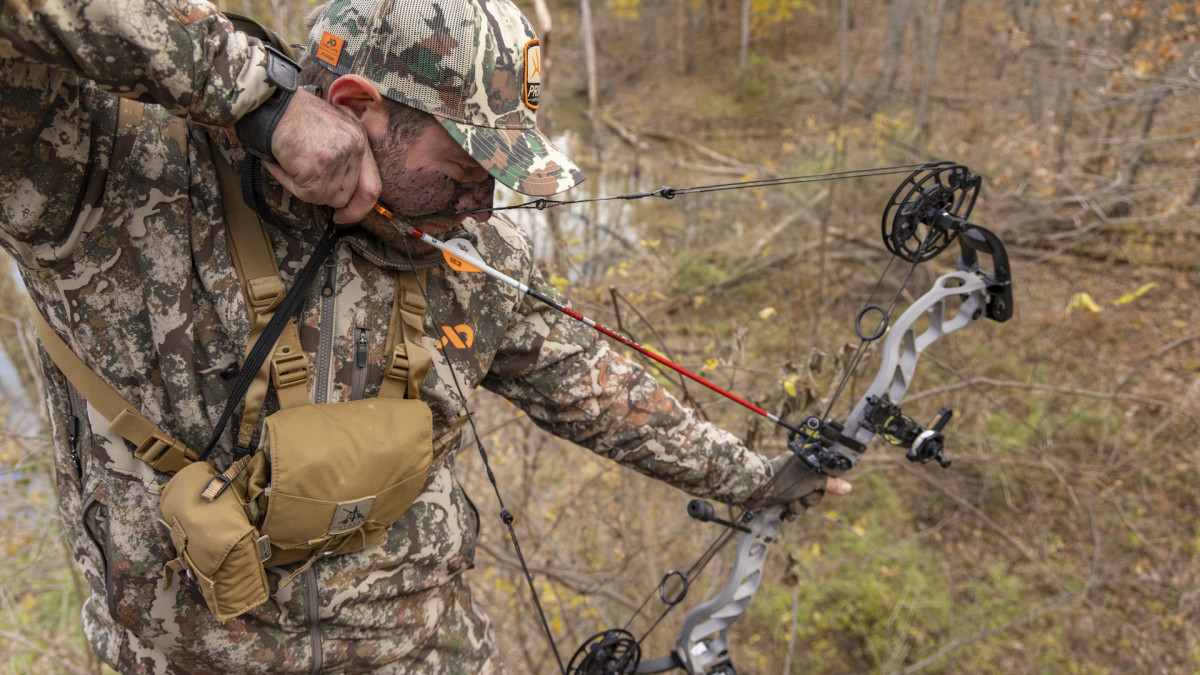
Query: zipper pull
360	352
330	269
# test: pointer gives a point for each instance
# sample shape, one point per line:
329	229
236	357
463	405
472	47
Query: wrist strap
256	127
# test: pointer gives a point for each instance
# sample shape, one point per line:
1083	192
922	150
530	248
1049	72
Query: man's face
428	174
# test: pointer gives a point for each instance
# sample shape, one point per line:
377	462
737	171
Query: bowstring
671	192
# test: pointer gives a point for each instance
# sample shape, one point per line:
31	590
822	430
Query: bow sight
925	214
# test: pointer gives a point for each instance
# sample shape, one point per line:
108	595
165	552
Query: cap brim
522	159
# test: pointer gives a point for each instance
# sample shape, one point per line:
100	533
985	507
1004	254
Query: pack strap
154	447
261	350
254	261
408	359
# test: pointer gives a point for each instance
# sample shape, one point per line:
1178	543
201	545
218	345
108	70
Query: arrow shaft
503	278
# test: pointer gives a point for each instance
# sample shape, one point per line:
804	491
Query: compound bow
925	214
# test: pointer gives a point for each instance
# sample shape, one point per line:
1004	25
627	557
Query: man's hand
325	158
799	487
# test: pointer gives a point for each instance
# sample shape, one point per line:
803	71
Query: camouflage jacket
119	235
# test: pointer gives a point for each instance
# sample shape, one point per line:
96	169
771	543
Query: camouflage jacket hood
119	235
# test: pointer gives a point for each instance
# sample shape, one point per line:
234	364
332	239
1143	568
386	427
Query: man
114	213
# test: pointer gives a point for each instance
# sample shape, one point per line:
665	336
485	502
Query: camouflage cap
473	64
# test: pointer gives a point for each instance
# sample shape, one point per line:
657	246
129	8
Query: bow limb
702	647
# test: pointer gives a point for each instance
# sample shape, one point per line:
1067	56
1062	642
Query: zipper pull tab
360	353
330	269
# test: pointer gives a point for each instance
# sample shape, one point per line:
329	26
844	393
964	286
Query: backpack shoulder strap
263	290
408	359
153	446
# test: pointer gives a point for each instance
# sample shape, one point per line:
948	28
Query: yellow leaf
650	244
1083	301
699	300
558	282
709	364
1130	297
1143	66
766	313
789	385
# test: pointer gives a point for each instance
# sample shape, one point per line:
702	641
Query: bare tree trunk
558	258
843	87
545	32
929	76
889	53
1135	163
687	36
12	343
744	51
589	59
712	22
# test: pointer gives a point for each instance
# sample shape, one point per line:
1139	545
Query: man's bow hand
799	487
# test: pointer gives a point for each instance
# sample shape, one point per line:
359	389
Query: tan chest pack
324	480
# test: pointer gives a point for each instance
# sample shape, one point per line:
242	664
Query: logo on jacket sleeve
460	337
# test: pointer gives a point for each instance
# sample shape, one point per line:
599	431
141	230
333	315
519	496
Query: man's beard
414	194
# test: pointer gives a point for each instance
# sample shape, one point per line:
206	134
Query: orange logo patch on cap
330	49
533	73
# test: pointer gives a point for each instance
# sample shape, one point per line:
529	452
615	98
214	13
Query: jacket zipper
324	357
325	341
313	612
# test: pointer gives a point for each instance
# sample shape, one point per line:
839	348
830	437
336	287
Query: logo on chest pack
350	515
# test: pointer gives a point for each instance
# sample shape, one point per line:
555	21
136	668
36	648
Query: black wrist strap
266	341
256	128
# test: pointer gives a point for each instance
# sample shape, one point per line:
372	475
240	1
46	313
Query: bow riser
903	346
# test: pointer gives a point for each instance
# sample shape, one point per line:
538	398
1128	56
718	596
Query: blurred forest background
1064	537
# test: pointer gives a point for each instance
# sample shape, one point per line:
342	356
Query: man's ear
357	95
